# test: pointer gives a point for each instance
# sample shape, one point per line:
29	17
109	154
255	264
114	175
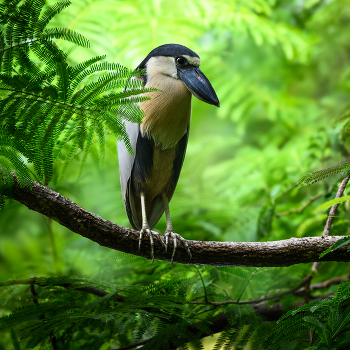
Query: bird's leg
146	229
170	231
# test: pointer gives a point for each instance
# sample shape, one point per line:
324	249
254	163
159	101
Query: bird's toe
176	237
150	235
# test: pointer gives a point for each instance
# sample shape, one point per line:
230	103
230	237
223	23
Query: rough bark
108	234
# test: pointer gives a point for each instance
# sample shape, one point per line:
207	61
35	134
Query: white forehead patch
165	65
194	61
161	65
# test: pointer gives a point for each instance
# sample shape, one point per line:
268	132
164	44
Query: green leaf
330	203
340	243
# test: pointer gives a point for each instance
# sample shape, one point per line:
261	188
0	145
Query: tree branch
108	234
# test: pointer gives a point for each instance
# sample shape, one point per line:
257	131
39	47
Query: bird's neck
168	113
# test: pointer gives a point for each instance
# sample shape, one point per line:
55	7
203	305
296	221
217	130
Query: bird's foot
176	237
150	234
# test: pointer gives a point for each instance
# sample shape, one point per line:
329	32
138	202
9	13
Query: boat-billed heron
149	176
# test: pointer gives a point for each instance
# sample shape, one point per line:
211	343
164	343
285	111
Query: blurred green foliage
281	72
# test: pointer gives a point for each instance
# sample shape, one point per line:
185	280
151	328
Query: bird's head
179	62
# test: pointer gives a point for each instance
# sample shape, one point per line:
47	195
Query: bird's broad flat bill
199	85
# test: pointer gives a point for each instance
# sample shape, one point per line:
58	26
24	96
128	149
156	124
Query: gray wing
126	163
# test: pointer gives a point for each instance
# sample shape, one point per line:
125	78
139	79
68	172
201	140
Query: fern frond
7	61
341	323
110	80
316	176
72	149
67	128
284	330
89	138
98	301
101	142
79	68
118	71
63	80
48	14
47	106
48	52
342	293
312	306
8	11
344	344
65	34
15	341
27	313
222	340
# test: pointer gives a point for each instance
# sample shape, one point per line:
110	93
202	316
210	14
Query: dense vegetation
281	72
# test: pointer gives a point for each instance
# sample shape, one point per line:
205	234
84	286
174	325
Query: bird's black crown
171	50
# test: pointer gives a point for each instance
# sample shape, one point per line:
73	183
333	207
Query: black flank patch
143	162
179	158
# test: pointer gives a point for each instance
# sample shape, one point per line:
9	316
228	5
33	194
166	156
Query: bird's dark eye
181	61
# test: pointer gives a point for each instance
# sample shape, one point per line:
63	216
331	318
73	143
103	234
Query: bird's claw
175	237
150	234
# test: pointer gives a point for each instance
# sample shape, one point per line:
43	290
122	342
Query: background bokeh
281	72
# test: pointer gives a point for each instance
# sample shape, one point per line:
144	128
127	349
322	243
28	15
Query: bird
148	177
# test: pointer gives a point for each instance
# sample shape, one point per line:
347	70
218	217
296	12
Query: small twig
87	289
315	266
53	341
321	285
36	302
205	290
34	293
120	298
332	212
244	288
331	215
299	209
311	336
347	212
326	232
256	300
